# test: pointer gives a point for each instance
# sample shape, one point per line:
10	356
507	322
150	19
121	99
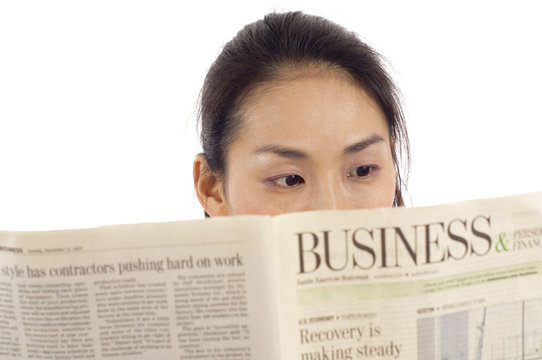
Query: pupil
362	171
292	180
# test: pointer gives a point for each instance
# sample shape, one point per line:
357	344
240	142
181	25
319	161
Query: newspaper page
459	281
183	290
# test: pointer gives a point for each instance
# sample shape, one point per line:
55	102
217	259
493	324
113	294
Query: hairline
289	71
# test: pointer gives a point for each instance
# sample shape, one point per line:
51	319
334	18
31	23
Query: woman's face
316	141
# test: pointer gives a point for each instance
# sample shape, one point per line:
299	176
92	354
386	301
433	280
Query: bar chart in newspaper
511	331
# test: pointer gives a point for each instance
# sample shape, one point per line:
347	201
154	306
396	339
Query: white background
97	100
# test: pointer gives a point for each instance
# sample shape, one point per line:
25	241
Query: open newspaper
459	281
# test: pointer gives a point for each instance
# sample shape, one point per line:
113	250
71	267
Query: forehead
310	107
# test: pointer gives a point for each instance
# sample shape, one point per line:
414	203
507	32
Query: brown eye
289	180
361	171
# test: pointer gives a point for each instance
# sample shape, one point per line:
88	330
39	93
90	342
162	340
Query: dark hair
263	50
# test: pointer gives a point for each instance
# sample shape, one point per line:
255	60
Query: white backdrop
97	100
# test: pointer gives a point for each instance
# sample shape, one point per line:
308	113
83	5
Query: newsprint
458	281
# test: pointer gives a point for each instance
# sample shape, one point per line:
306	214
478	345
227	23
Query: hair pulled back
263	50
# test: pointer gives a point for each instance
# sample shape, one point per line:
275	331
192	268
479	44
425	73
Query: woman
298	114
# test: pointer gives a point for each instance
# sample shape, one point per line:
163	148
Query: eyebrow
282	151
362	145
297	154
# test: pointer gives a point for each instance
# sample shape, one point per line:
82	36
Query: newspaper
458	281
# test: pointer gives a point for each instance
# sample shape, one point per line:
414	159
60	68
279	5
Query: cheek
388	197
381	193
388	184
387	191
242	194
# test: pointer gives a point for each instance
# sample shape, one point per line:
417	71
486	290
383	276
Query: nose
329	195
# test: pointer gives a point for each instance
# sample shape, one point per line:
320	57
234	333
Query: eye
288	180
362	171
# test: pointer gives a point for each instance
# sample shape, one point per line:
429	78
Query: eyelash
298	180
369	168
